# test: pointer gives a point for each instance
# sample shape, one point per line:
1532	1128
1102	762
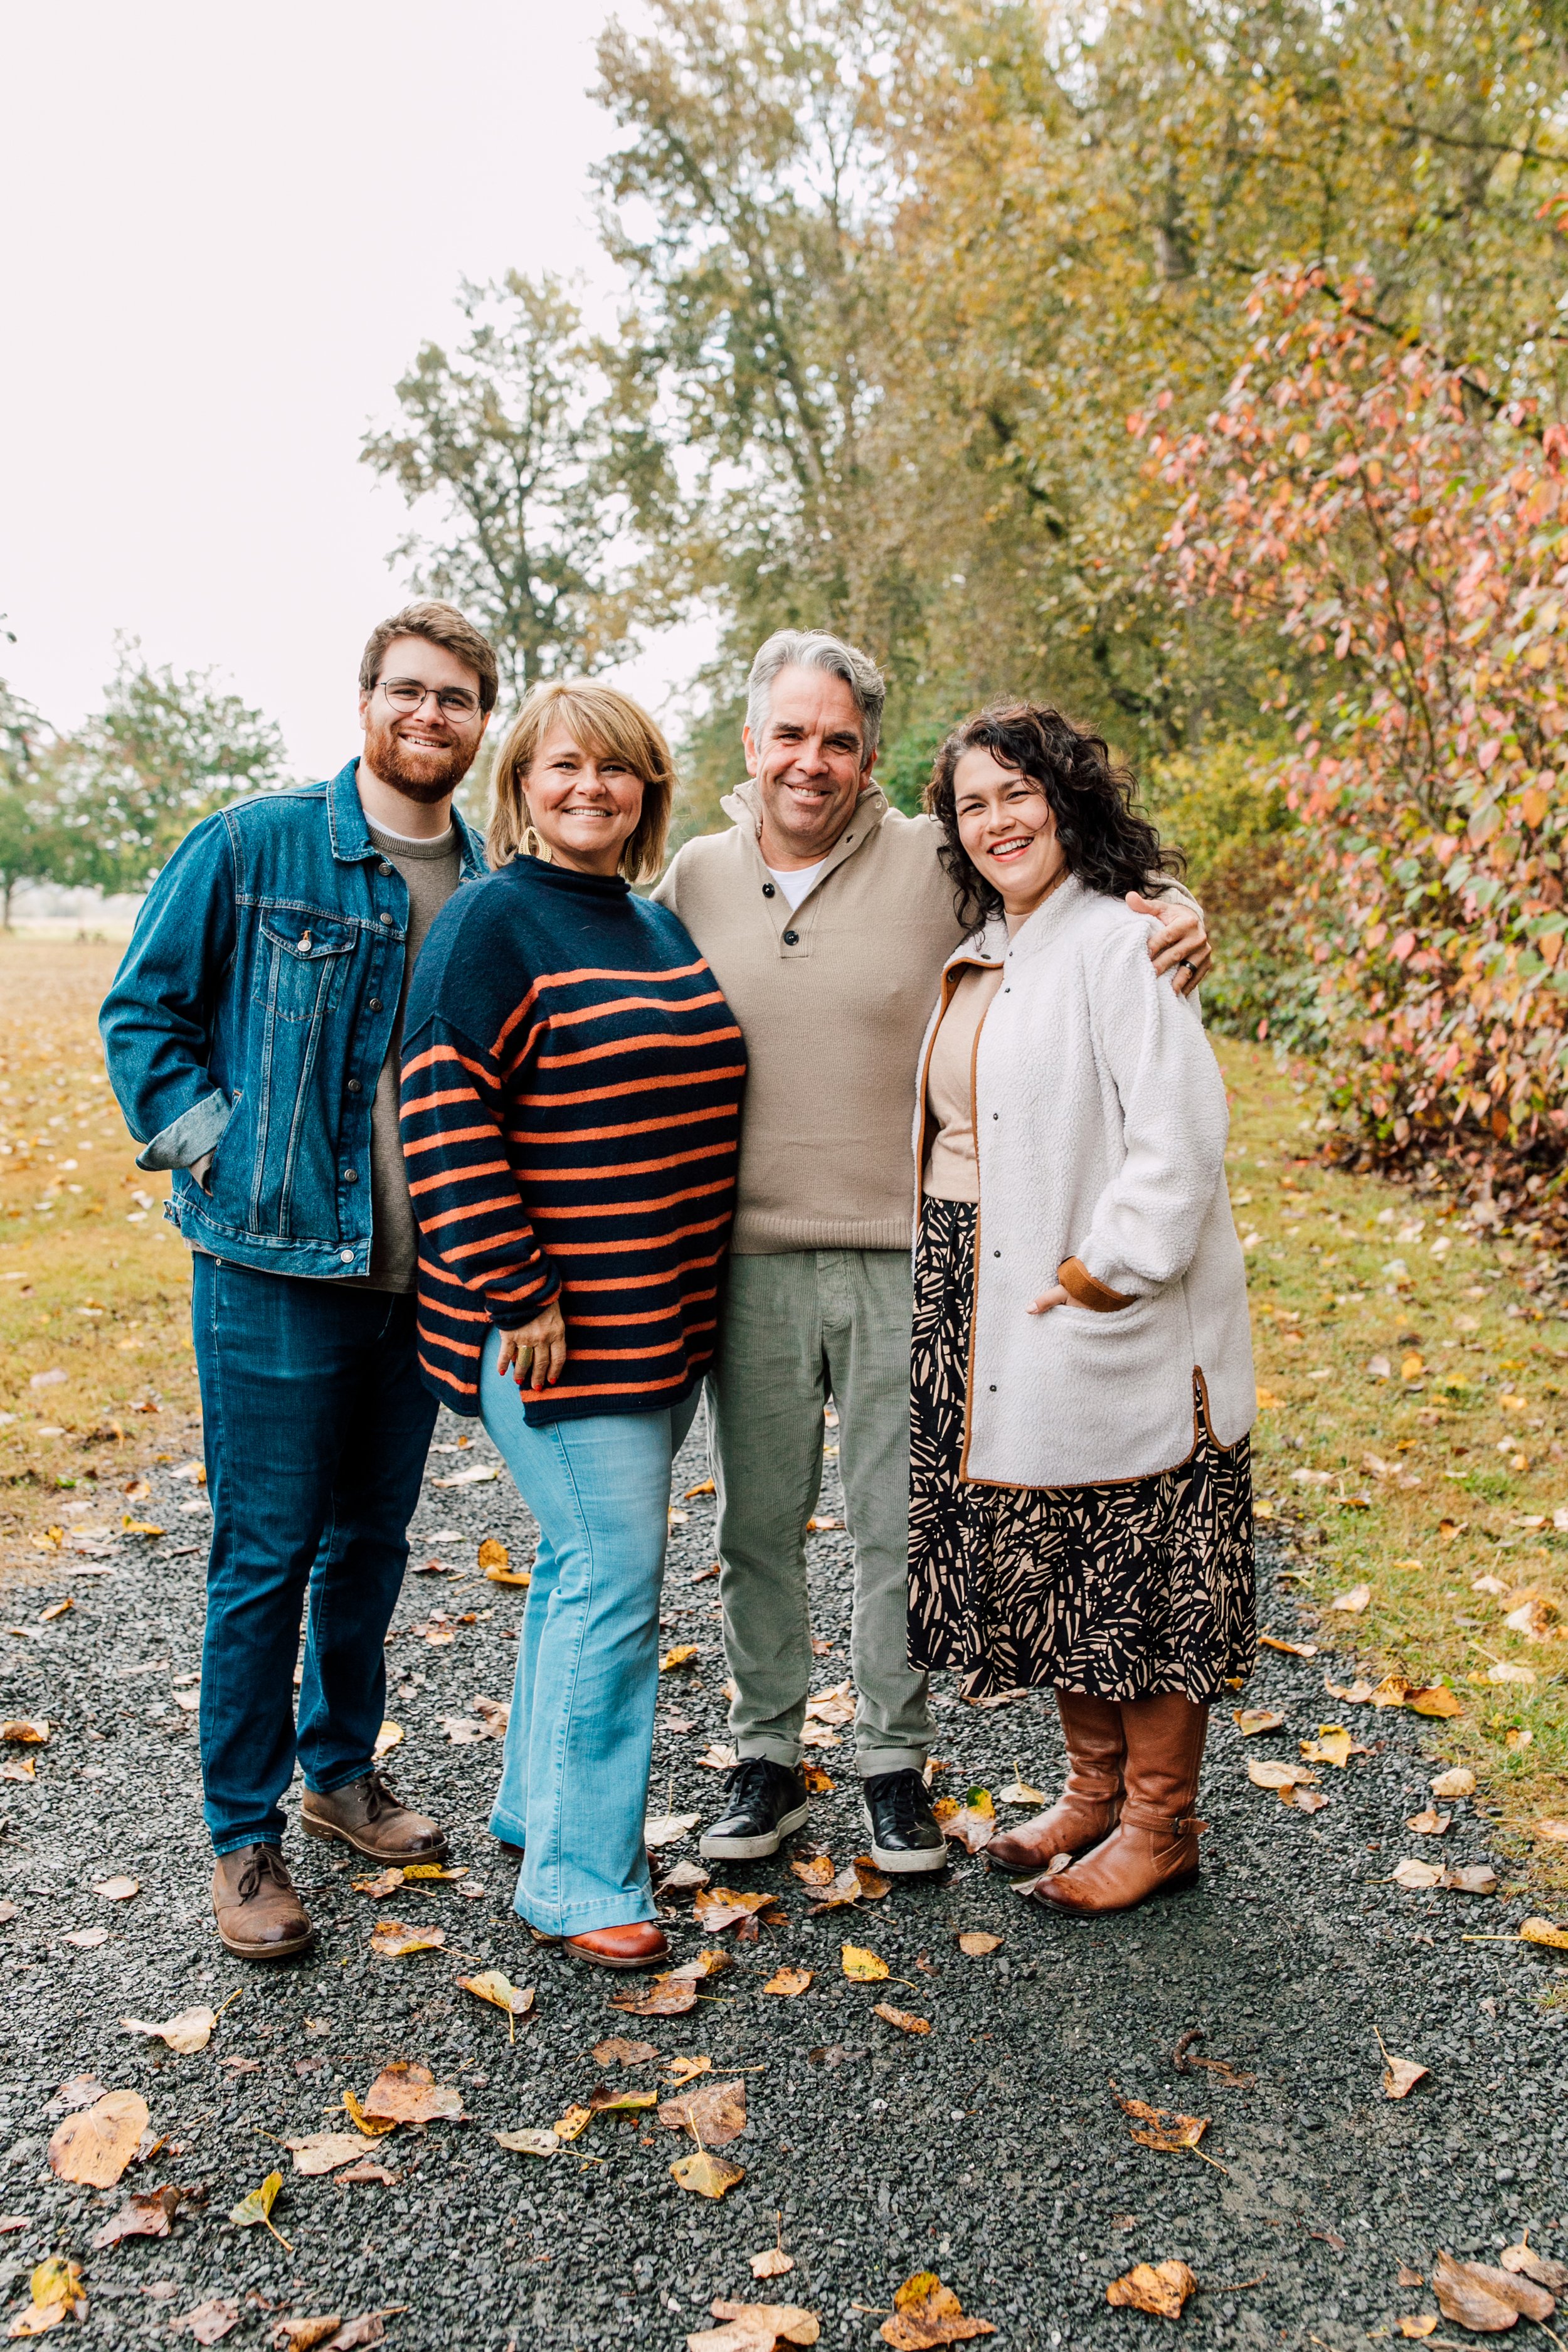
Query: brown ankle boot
257	1912
367	1816
1155	1844
1091	1802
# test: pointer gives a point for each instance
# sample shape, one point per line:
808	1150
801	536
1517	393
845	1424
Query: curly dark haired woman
1082	1384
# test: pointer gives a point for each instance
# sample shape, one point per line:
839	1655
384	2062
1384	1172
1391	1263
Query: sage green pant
799	1327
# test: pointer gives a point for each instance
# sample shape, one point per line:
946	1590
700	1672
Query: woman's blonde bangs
601	721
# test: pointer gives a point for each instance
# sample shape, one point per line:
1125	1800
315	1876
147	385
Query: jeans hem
583	1919
508	1833
331	1788
236	1844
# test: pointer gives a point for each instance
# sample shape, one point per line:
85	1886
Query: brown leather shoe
257	1912
367	1816
640	1946
1089	1805
1154	1847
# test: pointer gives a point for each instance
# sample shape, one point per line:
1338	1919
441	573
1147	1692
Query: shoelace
902	1796
746	1780
265	1862
379	1797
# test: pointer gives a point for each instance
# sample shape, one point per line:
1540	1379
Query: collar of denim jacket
350	834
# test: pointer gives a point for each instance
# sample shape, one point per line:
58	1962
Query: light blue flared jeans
574	1786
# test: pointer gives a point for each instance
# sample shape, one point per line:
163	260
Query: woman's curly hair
1106	843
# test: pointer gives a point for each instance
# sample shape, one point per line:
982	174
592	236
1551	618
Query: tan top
432	870
832	998
953	1165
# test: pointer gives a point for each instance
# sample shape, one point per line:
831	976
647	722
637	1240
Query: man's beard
423	776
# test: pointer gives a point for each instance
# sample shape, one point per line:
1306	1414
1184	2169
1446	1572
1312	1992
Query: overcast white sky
225	232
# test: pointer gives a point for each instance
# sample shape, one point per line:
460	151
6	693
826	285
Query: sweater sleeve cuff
1084	1291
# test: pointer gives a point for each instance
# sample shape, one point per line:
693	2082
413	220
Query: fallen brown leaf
393	1939
788	1982
191	2030
1164	2128
409	2094
1400	2076
1158	2288
926	2313
1247	1720
816	1871
118	1890
668	1829
500	1991
1542	1931
687	2070
320	2152
906	2021
26	1731
1460	1781
148	2216
527	2143
94	2147
666	2000
1487	2299
1416	2324
364	2172
209	2321
754	2328
603	2101
303	2335
976	1943
1430	1822
618	2052
715	2115
1539	2267
772	2264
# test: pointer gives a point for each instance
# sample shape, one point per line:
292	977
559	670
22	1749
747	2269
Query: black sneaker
905	1833
767	1800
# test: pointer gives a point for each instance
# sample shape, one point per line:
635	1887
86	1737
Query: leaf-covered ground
993	2148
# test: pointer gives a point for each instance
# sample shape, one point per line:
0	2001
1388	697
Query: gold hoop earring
533	845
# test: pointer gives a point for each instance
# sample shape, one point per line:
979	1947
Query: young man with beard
252	1036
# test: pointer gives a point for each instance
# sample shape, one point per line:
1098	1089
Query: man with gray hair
827	919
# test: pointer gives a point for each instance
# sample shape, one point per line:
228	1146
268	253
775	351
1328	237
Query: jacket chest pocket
301	964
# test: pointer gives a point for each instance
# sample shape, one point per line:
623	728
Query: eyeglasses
407	694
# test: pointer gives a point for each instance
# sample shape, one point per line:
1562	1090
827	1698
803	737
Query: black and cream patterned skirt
1128	1591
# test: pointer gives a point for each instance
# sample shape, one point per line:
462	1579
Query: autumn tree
1373	508
531	478
163	751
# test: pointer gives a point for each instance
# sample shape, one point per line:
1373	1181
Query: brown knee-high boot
1155	1844
1090	1801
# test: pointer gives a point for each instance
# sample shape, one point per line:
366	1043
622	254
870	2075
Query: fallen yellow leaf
861	1966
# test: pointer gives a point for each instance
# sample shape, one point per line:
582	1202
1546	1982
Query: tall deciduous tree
30	845
163	751
533	479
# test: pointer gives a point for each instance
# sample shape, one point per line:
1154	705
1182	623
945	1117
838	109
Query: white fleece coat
1101	1125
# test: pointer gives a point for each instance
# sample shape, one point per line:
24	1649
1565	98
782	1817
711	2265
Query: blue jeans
316	1425
574	1787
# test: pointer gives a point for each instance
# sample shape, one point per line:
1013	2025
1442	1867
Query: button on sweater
571	1085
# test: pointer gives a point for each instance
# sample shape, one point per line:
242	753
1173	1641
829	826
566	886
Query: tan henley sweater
833	1001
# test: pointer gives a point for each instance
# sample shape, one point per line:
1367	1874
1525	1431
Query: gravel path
991	2150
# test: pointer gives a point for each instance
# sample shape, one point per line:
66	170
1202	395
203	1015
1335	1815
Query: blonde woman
1083	1389
572	1084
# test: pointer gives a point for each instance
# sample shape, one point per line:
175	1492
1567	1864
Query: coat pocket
300	962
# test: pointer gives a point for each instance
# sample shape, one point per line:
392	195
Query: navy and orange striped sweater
572	1082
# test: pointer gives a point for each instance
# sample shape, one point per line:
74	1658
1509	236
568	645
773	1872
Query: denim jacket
251	1018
